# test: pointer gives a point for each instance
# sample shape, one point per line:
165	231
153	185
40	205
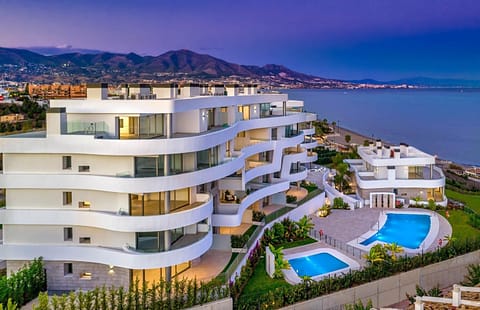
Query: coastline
338	138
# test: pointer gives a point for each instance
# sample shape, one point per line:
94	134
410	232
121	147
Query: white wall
53	198
52	163
46	234
401	172
188	122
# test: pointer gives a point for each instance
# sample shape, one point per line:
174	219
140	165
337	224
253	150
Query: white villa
403	174
144	184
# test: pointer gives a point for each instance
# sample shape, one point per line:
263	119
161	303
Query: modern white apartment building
140	186
403	174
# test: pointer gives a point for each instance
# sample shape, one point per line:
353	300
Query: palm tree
449	239
377	254
394	249
280	263
304	226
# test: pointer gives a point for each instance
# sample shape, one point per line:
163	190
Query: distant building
12	118
387	175
58	91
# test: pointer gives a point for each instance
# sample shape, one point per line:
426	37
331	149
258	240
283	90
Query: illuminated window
84	204
67	198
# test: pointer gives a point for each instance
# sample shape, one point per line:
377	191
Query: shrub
324	211
258	216
24	285
473	276
177	294
291	199
338	203
238	241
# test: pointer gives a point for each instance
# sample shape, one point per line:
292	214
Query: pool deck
346	225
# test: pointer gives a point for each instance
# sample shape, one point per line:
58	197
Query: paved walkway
210	265
346	225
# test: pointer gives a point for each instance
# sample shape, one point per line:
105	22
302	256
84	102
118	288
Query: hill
75	67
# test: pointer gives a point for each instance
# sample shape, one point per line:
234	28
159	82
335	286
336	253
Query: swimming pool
407	230
317	264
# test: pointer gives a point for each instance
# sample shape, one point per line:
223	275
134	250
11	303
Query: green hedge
285	296
178	294
24	285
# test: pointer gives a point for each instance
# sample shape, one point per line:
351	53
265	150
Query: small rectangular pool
316	265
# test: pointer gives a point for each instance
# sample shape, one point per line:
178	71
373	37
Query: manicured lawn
459	221
260	282
472	201
294	244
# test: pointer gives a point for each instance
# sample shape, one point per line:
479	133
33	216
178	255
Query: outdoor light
110	270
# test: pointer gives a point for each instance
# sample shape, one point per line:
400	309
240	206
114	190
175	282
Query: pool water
406	230
316	265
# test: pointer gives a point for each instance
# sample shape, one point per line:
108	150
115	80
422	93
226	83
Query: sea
442	122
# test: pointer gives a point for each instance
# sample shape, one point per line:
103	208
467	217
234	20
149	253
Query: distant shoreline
358	138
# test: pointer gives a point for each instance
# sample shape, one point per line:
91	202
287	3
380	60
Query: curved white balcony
121	184
124	258
108	220
366	180
154	106
87	144
311	157
273	121
308	131
298	175
259	171
231	214
309	145
257	147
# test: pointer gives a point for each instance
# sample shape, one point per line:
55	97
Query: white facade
144	185
386	176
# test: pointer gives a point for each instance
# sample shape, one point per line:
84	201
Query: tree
449	239
394	249
377	254
348	138
304	225
280	263
366	143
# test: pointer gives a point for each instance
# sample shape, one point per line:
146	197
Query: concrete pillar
418	303
431	172
284	108
166	168
456	295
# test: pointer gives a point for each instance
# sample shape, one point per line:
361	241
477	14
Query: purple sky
348	39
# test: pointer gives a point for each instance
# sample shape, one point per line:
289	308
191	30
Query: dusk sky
346	39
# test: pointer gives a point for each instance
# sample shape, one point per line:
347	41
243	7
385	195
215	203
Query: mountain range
25	65
67	64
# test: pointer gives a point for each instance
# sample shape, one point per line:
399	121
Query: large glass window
141	127
264	109
151	241
154	203
155	275
154	241
149	166
207	158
